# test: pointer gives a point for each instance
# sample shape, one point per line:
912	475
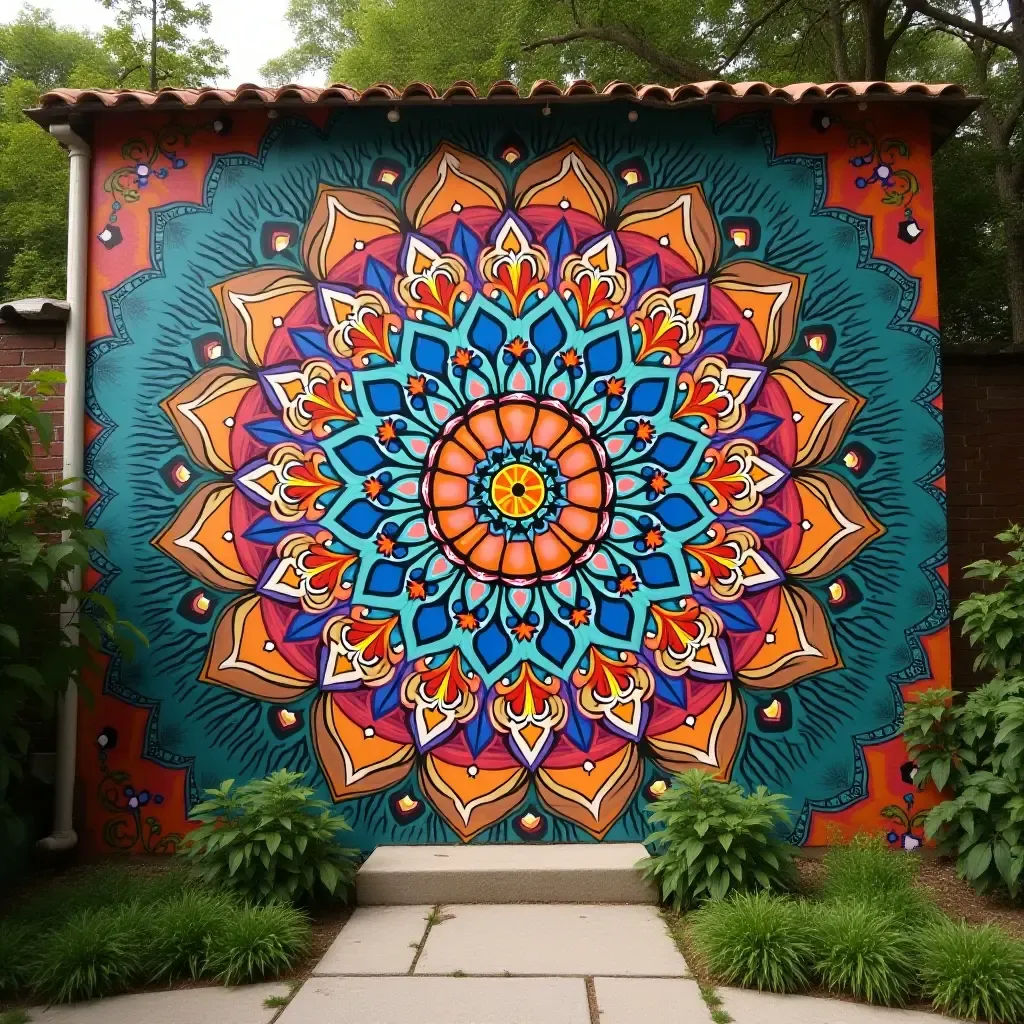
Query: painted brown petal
354	764
238	658
195	539
608	788
837	525
541	182
681	748
342	217
803	644
452	176
681	215
471	804
826	407
199	409
251	302
773	296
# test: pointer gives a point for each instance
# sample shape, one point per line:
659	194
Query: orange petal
472	802
352	762
678	219
709	742
238	657
800	646
343	217
200	540
253	305
768	298
567	174
449	181
835	525
825	407
593	799
202	410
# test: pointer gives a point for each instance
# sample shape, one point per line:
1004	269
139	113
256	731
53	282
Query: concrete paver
376	940
439	1001
214	1005
633	1000
747	1006
552	939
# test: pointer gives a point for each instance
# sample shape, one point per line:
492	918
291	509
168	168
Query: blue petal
310	342
717	338
270	431
479	732
360	455
306	626
759	425
386	699
429	355
579	730
377	276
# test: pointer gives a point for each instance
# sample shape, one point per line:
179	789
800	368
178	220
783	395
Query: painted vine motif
509	481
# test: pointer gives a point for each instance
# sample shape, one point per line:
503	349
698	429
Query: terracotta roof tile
59	104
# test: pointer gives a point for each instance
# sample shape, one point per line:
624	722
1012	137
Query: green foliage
862	951
258	942
757	940
994	621
183	930
16	953
44	545
714	839
269	839
976	973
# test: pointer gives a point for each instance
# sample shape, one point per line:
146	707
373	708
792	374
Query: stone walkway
485	964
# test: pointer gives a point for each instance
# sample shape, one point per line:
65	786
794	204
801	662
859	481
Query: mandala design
515	479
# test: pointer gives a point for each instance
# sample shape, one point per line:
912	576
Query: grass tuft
258	942
977	973
17	949
861	952
183	929
15	1016
757	940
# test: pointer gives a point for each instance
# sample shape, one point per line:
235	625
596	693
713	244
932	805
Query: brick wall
983	396
24	348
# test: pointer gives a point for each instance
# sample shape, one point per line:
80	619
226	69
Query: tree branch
745	37
126	74
1004	39
680	70
1008	125
901	26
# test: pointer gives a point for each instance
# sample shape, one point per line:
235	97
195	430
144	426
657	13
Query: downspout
63	836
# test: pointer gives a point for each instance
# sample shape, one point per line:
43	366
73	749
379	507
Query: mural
492	469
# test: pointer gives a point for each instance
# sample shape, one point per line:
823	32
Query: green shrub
269	839
96	953
757	940
183	929
714	839
17	945
976	973
862	951
258	942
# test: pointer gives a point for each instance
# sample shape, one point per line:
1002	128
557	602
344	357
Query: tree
322	29
153	44
34	48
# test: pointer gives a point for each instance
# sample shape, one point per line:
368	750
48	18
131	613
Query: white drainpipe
63	836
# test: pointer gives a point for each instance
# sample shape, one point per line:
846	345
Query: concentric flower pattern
514	477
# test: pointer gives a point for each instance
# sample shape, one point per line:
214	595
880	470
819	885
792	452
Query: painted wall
491	466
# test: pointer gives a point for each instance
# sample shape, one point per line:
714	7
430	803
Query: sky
252	30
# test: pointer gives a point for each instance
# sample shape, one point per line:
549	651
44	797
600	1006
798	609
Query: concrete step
522	873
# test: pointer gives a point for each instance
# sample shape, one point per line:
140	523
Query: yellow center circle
517	490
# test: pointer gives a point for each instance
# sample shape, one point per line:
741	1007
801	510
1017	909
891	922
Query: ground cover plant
117	928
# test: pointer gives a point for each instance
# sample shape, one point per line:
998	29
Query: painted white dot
748	314
228	535
229	421
882	171
359	245
805	525
393	115
278	321
564	204
663	240
269	645
632	115
368	732
797	417
456	207
588	766
326	428
106	235
690	721
472	771
711	533
769	638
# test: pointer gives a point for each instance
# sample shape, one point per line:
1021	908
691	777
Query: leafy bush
862	951
977	973
269	839
16	953
757	940
715	839
258	942
183	930
38	572
96	953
